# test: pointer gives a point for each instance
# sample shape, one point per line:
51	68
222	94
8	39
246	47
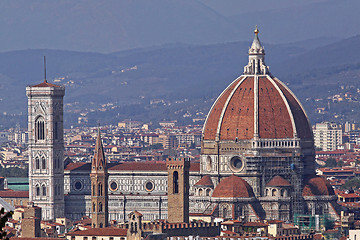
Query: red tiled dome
205	181
233	187
317	186
280	114
278	181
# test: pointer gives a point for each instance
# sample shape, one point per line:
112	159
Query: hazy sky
235	7
113	25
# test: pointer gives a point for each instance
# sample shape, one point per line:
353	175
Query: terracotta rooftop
317	186
255	224
232	115
233	187
100	232
35	238
45	84
278	181
14	194
205	181
129	166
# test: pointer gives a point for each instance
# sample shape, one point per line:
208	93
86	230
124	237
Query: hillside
180	79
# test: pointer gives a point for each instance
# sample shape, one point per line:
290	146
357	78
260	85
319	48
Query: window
94	192
40	129
100	207
208	192
78	185
273	192
282	192
44	190
94	207
100	189
43	160
37	163
175	182
224	212
37	191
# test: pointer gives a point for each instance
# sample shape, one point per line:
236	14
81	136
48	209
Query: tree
330	162
352	184
4	218
340	163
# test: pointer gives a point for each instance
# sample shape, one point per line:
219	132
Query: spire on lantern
256	63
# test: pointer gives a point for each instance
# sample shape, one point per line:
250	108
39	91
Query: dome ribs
238	118
274	120
301	121
212	120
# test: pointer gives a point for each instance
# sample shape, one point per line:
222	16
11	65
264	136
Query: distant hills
132	79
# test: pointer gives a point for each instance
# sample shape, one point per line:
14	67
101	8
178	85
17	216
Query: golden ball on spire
256	31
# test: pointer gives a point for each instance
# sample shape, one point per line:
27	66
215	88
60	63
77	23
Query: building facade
46	148
327	136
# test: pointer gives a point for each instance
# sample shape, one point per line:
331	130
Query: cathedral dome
256	105
317	186
233	187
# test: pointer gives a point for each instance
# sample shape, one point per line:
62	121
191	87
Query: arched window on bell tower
43	162
40	128
37	190
44	190
100	189
37	163
176	182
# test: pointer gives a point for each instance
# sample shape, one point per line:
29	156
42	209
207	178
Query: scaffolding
311	223
285	163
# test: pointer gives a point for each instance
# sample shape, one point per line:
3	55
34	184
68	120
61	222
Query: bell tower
46	148
99	187
178	189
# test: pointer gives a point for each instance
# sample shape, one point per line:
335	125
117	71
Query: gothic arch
40	128
37	162
43	162
44	190
37	187
100	186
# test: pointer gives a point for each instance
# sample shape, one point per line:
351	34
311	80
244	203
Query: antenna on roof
45	69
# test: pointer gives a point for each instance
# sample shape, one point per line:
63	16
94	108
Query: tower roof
45	84
99	161
205	181
278	181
